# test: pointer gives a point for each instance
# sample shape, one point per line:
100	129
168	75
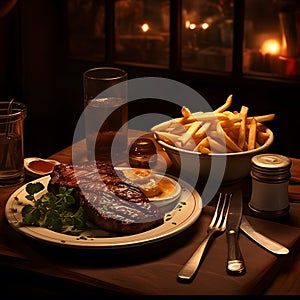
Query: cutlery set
217	225
228	217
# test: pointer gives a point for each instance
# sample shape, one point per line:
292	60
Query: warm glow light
270	46
204	26
145	27
192	26
189	25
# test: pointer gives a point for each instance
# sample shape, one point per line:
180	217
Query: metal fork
217	225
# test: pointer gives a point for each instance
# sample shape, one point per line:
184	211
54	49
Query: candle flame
204	25
192	26
270	46
189	25
145	27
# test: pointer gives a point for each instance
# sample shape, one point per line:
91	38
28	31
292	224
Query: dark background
35	68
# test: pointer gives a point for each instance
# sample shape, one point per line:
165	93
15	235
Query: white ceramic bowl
37	167
169	190
227	167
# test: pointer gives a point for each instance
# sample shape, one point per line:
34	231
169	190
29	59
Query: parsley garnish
55	212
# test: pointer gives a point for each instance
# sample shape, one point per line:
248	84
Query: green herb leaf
55	212
31	215
33	188
29	197
27	209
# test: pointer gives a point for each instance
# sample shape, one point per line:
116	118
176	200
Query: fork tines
221	212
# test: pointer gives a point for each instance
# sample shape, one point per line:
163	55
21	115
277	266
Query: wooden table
30	267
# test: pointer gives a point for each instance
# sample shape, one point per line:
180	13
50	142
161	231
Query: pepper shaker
270	178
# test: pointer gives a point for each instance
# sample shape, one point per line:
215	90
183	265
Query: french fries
242	136
252	135
219	131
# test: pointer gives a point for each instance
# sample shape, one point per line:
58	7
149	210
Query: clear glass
207	34
12	115
272	38
142	31
106	113
86	27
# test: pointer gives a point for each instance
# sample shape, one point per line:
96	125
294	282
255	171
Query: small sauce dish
38	167
160	189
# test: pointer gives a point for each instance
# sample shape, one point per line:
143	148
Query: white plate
184	214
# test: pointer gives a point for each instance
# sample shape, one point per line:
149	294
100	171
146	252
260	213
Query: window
207	35
142	31
272	35
256	38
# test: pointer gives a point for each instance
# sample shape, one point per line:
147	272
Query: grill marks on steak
117	215
111	201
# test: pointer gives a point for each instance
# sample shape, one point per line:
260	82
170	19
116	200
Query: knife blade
235	261
262	240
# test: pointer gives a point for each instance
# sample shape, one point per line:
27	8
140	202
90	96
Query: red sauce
41	166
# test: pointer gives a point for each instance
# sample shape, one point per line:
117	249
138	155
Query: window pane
207	34
86	27
272	37
142	31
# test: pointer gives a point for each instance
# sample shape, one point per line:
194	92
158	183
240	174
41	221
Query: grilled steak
111	201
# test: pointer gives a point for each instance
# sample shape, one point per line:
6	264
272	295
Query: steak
111	201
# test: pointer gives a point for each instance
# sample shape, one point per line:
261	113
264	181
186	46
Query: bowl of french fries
216	143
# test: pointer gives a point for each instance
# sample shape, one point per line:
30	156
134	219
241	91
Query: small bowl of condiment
37	167
160	189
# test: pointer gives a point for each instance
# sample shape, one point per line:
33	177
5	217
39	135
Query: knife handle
235	261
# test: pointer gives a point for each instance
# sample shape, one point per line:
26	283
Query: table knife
262	240
235	261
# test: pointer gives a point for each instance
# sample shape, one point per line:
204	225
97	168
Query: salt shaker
142	153
270	178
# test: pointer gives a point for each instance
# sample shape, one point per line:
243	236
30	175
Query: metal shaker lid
271	161
270	167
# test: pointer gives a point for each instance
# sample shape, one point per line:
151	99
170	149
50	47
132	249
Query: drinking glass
106	113
12	115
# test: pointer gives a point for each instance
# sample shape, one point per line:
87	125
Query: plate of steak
121	214
109	198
